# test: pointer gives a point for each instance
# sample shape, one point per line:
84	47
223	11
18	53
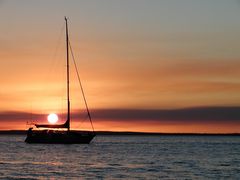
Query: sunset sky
146	65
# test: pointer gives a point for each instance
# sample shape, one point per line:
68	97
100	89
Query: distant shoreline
23	132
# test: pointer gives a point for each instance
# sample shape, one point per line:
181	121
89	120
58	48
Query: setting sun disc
52	118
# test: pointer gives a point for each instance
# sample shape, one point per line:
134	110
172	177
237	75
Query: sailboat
61	133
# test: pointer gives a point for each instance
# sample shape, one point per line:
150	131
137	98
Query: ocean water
123	157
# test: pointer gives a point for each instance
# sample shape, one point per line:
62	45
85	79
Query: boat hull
59	137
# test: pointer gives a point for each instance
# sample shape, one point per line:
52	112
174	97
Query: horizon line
20	132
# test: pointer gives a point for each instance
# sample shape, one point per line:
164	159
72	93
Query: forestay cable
79	80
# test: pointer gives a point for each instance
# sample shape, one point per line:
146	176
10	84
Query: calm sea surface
128	157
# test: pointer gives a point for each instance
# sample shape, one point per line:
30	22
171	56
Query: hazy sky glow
135	56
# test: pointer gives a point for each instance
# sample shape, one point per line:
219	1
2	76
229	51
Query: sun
52	118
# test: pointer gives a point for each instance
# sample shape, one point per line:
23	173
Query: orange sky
131	55
142	127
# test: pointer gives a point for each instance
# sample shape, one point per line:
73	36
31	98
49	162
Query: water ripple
123	157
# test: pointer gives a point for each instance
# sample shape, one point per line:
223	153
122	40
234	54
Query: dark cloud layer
203	114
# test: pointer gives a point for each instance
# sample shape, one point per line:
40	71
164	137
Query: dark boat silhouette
61	133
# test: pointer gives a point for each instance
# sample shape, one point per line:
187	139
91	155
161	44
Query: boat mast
68	96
